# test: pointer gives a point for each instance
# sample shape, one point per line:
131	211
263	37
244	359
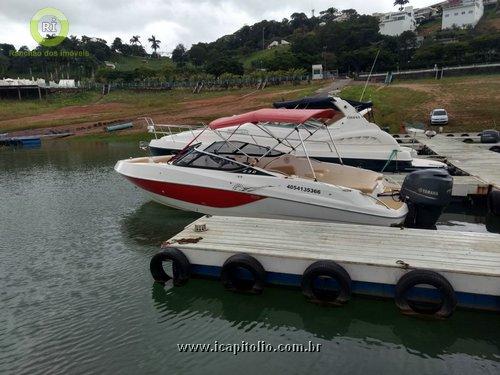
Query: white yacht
359	142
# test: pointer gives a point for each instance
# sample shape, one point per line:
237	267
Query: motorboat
234	177
360	143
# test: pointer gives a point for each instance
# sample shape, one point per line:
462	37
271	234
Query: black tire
444	309
181	267
233	282
326	268
494	202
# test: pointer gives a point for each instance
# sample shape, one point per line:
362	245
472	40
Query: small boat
360	143
238	178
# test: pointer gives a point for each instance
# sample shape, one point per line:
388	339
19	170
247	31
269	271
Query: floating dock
374	257
22	141
470	158
478	166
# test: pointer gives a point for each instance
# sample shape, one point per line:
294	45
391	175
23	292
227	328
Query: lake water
76	295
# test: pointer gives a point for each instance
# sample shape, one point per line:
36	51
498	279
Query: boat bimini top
309	119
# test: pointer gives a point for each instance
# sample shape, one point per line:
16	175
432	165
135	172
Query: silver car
439	117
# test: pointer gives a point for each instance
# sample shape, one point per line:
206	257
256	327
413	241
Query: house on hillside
426	13
462	13
277	43
396	23
109	65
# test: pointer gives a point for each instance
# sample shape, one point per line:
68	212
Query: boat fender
409	280
494	202
233	280
181	268
330	269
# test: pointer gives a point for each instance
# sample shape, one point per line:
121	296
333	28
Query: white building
317	71
396	23
277	43
462	13
425	13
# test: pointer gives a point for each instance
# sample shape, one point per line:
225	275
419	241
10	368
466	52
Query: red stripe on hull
196	194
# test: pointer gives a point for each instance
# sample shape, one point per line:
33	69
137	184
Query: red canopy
294	116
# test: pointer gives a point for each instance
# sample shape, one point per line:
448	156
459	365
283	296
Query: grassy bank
472	101
176	106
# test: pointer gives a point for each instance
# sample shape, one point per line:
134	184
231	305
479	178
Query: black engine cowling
427	193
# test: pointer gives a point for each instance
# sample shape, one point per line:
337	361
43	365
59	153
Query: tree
6	48
401	3
224	64
135	40
180	55
117	45
155	44
328	14
298	20
407	42
198	54
350	13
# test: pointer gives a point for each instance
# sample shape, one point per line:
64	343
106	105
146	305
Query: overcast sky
171	21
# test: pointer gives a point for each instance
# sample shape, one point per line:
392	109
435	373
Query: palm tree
135	39
155	43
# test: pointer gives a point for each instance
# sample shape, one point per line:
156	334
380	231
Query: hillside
343	40
125	63
471	101
253	59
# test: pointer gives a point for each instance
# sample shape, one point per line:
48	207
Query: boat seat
335	174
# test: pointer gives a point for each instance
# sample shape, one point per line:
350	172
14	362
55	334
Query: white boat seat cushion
335	174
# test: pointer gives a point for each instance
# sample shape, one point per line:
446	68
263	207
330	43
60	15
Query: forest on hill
341	40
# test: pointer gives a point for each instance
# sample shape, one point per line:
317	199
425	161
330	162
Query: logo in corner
49	27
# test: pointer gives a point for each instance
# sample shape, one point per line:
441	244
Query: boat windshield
240	148
195	158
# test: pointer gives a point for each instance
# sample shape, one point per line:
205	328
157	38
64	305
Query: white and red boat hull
232	194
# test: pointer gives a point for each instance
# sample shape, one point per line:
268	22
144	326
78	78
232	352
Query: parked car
439	117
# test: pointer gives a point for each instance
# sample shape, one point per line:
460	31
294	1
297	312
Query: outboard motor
427	193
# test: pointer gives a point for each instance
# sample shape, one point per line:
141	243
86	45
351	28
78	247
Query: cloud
173	22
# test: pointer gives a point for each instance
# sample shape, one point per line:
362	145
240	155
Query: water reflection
468	218
153	223
376	322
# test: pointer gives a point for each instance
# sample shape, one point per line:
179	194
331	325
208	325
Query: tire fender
330	269
180	266
494	202
232	282
426	277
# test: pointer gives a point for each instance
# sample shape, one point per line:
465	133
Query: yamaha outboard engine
427	193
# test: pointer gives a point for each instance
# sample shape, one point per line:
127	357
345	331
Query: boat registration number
304	189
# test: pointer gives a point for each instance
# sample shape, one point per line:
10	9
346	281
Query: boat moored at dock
359	143
237	178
